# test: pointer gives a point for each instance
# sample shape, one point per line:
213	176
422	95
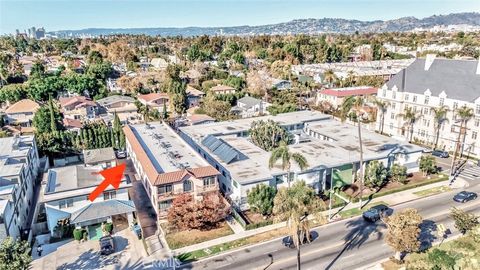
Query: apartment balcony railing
203	189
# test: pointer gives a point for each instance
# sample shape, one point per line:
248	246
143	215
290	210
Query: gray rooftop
249	101
460	79
167	151
113	99
13	151
103	209
92	156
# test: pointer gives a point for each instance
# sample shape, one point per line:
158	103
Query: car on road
121	154
376	212
440	153
465	196
107	245
288	241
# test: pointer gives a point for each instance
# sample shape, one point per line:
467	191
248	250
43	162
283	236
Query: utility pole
299	241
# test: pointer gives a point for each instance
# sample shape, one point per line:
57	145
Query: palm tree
410	116
465	114
382	108
294	205
329	76
283	153
355	104
440	116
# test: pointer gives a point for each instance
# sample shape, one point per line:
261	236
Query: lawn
432	191
190	237
262	237
357	211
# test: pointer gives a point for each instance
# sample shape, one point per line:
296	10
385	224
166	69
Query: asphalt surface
347	244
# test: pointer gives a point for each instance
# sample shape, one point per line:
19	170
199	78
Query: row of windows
187	185
107	195
427	101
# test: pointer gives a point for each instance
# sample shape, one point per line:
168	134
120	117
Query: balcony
203	189
170	194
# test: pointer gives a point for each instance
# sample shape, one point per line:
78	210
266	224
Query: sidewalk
391	199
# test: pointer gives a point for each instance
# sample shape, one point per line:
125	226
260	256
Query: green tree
375	174
427	165
382	108
37	70
48	119
403	233
14	254
440	259
267	134
440	116
411	117
260	198
282	153
398	173
464	221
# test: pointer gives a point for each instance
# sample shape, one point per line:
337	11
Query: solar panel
224	151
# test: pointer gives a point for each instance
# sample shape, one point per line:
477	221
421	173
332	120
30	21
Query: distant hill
306	26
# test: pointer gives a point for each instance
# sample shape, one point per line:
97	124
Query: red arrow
113	176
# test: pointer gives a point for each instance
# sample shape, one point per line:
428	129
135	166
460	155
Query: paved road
348	244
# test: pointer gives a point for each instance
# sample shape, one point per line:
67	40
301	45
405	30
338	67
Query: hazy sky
79	14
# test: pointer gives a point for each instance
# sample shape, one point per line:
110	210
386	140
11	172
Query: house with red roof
78	107
155	100
336	96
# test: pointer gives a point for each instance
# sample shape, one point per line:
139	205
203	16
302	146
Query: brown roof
165	178
153	96
196	118
72	123
24	105
193	91
221	88
81	100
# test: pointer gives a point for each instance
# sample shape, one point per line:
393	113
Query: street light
298	240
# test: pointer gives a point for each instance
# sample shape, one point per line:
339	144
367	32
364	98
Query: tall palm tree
294	205
354	104
382	108
465	114
440	116
283	154
411	117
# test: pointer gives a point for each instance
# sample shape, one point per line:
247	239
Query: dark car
288	241
121	154
440	153
375	213
465	196
107	245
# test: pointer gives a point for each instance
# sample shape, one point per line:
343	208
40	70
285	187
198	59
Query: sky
80	14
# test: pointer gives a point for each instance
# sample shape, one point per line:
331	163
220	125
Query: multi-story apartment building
167	166
18	170
427	84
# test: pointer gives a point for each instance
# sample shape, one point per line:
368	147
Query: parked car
440	153
288	241
376	212
107	245
121	154
465	196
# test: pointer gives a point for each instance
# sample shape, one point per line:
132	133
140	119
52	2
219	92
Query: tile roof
152	96
177	176
81	100
72	123
24	105
350	91
198	118
221	88
191	91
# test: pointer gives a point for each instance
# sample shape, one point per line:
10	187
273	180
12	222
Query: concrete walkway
236	228
391	199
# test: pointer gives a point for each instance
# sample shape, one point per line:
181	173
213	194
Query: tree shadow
90	259
428	234
360	232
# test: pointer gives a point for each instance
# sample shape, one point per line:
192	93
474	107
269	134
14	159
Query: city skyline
22	15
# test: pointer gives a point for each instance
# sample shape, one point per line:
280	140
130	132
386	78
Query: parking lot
71	254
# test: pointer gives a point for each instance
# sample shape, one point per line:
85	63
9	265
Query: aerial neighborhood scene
250	134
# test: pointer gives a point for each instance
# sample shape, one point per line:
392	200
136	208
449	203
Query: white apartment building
18	170
427	84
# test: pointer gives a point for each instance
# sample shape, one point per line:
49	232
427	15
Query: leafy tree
427	164
411	117
440	116
13	93
382	108
268	134
260	198
94	57
440	259
285	108
375	174
283	154
464	221
37	70
47	118
398	173
44	88
403	233
14	254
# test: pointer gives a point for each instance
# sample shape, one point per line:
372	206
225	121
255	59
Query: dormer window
442	101
427	99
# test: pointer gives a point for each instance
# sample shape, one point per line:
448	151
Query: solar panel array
224	151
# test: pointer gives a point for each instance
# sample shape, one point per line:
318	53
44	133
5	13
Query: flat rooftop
336	144
12	151
165	149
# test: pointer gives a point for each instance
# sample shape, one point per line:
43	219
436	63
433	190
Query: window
477	123
425	111
392	116
394	95
187	186
414	98
164	205
477	109
209	181
393	105
442	101
107	195
65	203
455	105
474	135
391	126
427	99
452	129
164	189
235	184
384	92
406	97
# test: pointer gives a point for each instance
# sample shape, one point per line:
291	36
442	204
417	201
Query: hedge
264	223
78	234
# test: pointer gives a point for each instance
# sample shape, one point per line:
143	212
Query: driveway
74	255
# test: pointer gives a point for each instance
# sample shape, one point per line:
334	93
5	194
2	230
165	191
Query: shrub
398	173
108	227
78	234
440	259
260	199
258	224
85	235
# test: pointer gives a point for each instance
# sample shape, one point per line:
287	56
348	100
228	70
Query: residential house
123	106
222	89
159	63
336	96
78	107
199	119
167	166
113	87
65	195
250	107
19	166
72	124
426	84
155	100
281	84
194	96
21	113
103	157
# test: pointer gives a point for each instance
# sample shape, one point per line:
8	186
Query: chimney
429	61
